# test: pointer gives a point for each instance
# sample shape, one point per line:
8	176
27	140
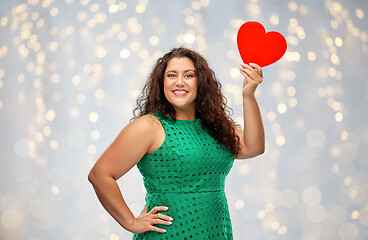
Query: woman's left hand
252	77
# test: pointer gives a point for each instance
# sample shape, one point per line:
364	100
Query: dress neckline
189	120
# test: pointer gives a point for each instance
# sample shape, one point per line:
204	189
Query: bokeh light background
71	70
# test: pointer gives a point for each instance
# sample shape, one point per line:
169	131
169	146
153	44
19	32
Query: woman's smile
180	92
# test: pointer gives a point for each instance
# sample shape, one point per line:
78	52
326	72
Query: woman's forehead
183	63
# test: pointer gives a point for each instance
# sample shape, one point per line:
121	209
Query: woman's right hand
146	220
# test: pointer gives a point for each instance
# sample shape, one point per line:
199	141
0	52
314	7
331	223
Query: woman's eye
171	75
189	76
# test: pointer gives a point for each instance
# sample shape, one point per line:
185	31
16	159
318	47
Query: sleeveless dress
187	174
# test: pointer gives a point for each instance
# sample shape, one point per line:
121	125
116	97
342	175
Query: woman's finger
156	229
244	71
252	73
158	208
145	209
165	217
248	75
253	67
246	79
160	221
257	67
249	70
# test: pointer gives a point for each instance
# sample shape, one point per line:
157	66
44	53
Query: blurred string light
63	92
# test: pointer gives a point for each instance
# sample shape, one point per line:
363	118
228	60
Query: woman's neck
185	115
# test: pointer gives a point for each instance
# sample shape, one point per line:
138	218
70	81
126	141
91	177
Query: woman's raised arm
252	139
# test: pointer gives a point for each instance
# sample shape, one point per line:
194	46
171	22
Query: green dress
187	174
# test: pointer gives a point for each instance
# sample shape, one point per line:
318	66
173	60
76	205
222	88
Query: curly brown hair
211	106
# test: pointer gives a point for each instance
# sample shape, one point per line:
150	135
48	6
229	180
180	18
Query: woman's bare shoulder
146	122
128	148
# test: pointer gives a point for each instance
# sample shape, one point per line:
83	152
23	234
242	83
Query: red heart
257	46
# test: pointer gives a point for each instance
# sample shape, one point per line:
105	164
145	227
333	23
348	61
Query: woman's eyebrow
174	71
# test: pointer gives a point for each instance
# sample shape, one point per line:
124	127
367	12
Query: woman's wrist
129	225
249	97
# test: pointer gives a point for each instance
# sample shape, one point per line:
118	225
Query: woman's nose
180	81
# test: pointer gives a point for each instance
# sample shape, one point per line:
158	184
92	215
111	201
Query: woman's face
180	84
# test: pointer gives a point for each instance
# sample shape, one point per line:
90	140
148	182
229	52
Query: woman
184	144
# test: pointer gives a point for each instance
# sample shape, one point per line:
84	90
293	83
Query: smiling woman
180	87
184	145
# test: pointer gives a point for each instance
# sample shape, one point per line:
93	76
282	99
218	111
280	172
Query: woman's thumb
145	209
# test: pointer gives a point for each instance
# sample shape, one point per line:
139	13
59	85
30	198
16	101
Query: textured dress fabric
187	174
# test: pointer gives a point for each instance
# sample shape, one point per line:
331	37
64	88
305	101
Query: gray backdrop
70	72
